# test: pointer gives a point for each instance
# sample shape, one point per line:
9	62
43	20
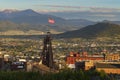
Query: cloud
62	8
104	15
102	9
95	16
81	12
55	11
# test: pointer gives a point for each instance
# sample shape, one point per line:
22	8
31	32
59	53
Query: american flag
51	20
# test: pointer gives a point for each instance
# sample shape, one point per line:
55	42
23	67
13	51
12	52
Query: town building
84	65
73	57
112	57
18	66
110	68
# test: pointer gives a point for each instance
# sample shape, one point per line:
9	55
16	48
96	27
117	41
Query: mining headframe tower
47	54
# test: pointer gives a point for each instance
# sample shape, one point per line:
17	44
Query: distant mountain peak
28	10
9	11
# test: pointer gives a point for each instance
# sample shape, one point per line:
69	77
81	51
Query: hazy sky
58	4
70	7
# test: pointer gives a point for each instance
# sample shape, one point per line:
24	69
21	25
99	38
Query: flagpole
48	28
50	21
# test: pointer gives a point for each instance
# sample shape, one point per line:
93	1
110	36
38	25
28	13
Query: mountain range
30	16
27	20
15	22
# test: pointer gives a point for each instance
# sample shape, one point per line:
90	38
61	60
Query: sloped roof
43	68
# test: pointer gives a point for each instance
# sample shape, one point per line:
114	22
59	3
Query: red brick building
73	57
76	57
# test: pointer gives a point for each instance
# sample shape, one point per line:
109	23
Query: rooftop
107	65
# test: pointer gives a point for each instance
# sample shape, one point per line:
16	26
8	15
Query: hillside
97	30
8	27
